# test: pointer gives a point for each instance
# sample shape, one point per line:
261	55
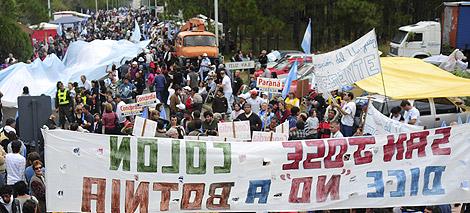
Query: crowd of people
192	99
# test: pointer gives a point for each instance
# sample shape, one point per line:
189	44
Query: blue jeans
347	131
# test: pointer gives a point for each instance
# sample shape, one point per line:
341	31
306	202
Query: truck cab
419	40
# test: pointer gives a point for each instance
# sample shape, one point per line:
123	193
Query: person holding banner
348	111
335	130
411	115
255	121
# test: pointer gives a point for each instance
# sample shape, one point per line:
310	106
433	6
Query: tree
32	12
14	40
8	9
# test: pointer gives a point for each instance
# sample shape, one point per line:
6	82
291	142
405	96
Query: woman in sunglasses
38	187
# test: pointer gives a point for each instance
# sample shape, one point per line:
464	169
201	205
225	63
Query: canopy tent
67	20
44	26
410	78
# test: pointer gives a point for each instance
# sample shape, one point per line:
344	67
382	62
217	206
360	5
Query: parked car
433	111
283	65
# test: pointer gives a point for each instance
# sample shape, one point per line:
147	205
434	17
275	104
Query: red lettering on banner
391	146
294	190
331	188
116	196
361	145
138	199
338	162
420	146
99	196
308	163
187	189
166	189
223	197
296	156
436	150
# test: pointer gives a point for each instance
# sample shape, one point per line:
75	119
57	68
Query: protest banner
146	99
270	84
212	138
104	173
347	65
283	128
131	109
144	127
240	65
377	124
235	129
259	136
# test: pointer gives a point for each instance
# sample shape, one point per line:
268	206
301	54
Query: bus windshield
203	40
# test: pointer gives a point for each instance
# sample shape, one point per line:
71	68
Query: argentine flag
306	42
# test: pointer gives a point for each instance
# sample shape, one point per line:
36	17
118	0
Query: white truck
426	38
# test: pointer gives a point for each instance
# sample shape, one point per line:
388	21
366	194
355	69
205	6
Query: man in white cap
255	101
204	67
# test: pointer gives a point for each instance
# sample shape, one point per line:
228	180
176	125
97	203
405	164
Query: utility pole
49	8
155	8
107	8
96	5
216	13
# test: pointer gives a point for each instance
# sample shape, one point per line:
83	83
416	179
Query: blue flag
59	30
290	77
306	42
163	113
145	113
443	124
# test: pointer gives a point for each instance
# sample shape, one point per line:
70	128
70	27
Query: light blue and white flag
290	77
136	33
59	30
307	41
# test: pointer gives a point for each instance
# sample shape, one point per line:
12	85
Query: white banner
146	99
240	65
212	138
103	173
347	65
144	127
234	129
378	124
259	136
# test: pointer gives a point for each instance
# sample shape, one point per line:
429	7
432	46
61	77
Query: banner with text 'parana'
102	173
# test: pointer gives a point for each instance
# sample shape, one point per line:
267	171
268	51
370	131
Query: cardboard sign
283	128
147	99
144	127
240	65
259	136
131	109
235	129
105	173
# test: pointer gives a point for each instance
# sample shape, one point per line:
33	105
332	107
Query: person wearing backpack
110	120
